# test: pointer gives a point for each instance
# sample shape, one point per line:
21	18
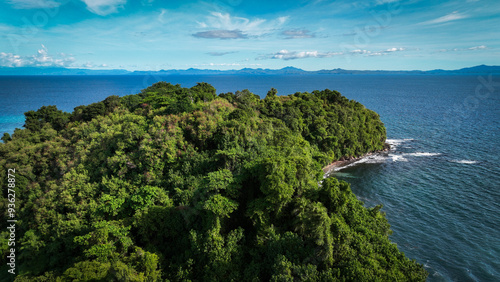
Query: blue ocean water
439	184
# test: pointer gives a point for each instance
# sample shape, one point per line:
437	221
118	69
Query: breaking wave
464	161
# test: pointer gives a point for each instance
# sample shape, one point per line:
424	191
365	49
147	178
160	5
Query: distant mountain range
482	69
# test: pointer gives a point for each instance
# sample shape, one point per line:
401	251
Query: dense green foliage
179	184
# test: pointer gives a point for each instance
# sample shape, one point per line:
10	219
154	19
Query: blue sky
236	34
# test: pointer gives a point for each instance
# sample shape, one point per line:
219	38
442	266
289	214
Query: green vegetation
179	184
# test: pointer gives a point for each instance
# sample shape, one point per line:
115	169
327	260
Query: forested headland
179	184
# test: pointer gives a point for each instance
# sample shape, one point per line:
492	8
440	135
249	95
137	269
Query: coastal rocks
345	161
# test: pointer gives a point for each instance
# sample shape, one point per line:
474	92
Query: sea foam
397	142
398	158
464	161
423	154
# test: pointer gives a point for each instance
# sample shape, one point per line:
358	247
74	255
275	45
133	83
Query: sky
235	34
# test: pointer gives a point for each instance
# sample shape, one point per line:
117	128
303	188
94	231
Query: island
181	184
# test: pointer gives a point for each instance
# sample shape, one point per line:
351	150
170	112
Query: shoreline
343	162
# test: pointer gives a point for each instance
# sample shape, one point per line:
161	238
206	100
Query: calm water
440	184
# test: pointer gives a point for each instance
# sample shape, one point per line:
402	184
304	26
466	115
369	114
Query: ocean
439	184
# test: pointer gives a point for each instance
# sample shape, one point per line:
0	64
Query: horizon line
4	68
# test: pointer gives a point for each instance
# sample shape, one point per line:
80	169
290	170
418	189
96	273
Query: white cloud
359	52
218	54
221	34
33	4
161	16
40	59
448	18
297	33
10	60
384	52
395	49
225	22
478	47
474	48
292	55
104	7
282	20
376	53
90	65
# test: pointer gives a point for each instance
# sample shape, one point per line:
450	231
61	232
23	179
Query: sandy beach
347	161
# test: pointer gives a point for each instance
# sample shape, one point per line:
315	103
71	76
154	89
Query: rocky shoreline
347	161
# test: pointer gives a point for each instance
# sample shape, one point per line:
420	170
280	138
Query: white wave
372	159
346	166
464	161
398	158
376	159
382	158
396	142
423	154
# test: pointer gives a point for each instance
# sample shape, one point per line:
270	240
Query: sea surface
439	184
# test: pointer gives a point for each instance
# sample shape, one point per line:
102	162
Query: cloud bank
40	59
293	55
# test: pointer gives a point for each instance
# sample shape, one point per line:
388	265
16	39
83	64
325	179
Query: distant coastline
481	69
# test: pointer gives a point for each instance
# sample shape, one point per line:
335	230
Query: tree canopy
181	184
